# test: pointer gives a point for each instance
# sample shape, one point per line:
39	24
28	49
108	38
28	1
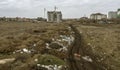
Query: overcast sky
69	8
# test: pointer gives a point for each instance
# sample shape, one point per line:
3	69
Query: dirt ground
25	40
99	49
96	46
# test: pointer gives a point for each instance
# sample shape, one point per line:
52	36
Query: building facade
118	13
98	16
54	16
112	15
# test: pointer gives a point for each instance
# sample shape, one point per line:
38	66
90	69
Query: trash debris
34	45
38	65
89	44
36	60
87	58
3	61
51	67
81	32
53	39
26	50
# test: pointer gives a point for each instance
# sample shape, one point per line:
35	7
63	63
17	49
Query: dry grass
104	41
18	35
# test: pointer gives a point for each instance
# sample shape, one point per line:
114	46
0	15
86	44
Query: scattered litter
36	60
89	44
87	58
47	47
59	40
34	45
18	50
43	65
26	50
72	32
60	66
69	28
38	65
53	39
21	52
51	67
3	61
47	44
68	39
63	49
81	32
77	55
13	52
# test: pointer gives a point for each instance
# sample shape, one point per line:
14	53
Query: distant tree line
41	19
106	21
19	19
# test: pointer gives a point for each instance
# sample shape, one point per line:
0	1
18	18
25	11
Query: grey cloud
69	8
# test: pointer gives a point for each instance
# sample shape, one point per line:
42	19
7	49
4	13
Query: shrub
50	60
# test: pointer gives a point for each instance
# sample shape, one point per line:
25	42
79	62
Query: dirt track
76	62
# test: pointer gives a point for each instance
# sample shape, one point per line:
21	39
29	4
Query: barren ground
96	46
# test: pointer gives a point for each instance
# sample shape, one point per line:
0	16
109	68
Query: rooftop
54	11
97	14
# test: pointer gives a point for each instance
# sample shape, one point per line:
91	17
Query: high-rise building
54	16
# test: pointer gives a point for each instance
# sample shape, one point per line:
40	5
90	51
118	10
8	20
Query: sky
69	8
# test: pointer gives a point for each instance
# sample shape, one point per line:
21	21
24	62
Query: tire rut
78	47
